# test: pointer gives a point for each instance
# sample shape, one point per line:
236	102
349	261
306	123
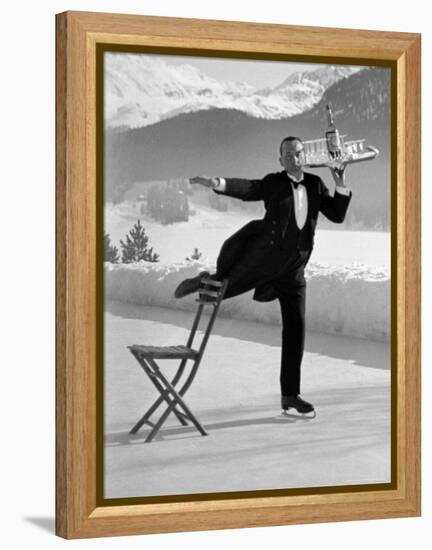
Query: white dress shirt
300	200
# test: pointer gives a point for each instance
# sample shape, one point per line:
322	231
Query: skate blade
295	414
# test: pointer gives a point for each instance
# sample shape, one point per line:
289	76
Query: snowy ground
348	275
250	446
347	300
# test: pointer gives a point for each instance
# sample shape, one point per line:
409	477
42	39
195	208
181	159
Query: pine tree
111	253
136	248
195	256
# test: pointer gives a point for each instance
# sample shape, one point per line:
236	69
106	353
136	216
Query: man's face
292	156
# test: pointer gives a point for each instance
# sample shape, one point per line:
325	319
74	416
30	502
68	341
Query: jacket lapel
308	197
286	202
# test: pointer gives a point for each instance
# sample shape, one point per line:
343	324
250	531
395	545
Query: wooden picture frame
78	509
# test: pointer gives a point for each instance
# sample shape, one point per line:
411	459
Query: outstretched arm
247	190
212	183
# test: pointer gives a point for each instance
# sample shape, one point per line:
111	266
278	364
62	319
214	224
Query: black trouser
292	303
248	272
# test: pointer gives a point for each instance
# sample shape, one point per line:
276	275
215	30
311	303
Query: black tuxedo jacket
274	189
258	239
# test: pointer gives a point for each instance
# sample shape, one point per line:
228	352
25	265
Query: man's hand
205	181
339	175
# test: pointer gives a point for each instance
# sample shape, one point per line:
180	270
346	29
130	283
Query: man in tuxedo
270	255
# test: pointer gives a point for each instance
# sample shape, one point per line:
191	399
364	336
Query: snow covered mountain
229	142
143	89
305	88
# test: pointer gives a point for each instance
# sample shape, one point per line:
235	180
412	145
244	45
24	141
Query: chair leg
176	400
164	416
145	418
174	381
169	395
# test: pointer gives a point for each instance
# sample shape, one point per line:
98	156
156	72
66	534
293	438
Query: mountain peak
141	90
323	77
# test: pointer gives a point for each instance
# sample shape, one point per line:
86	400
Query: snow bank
353	300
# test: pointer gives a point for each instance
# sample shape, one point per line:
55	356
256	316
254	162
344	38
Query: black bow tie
295	183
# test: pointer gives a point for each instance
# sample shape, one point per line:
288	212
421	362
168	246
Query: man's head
292	155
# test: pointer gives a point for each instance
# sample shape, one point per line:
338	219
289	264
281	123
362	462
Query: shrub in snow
195	256
111	253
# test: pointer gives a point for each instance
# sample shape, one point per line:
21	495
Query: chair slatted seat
172	390
164	352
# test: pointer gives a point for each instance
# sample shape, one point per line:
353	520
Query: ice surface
235	395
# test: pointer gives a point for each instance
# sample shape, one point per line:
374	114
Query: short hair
289	138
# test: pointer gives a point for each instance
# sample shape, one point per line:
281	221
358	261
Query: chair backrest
210	294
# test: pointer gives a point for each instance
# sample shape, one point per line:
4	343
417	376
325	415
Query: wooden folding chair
211	293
